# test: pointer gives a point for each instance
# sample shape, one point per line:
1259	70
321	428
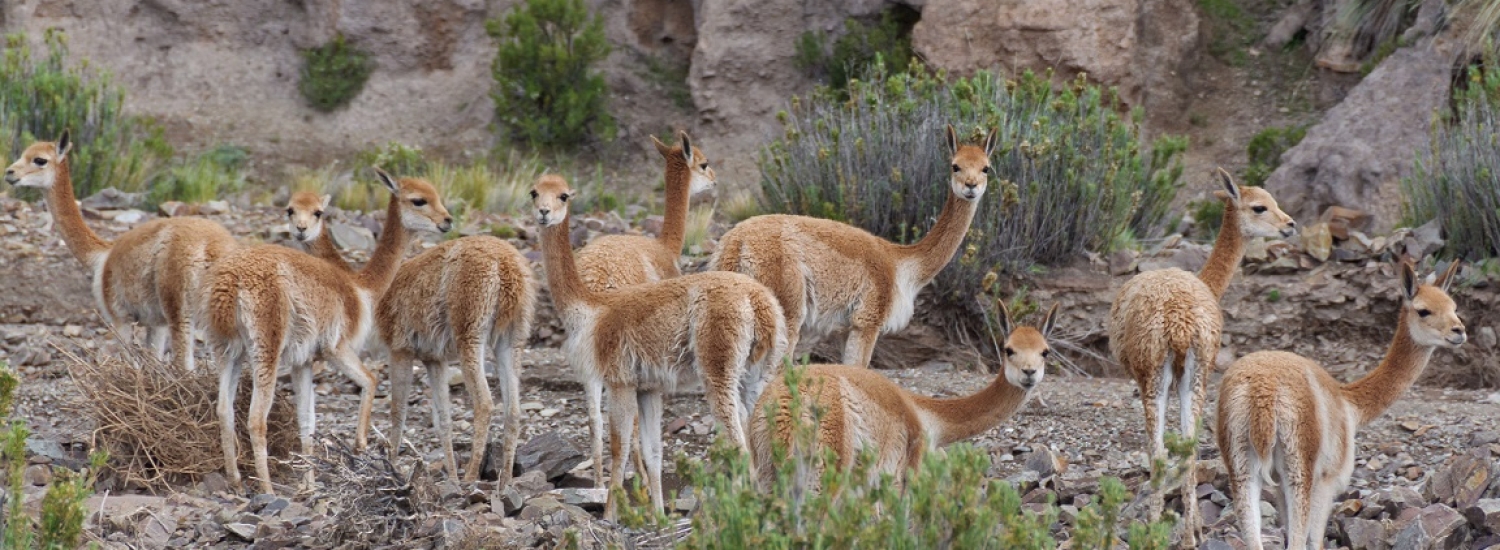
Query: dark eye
1046	352
703	166
1258	209
955	168
533	193
564	197
40	162
1424	312
985	169
290	212
318	214
1009	351
419	202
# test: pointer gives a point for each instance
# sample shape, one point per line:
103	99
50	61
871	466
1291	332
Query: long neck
674	221
562	274
936	248
82	241
323	247
964	417
389	250
1379	389
1229	249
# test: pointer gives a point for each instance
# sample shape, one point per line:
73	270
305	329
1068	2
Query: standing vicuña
1282	415
459	300
862	408
641	340
271	304
830	276
305	218
1165	325
152	275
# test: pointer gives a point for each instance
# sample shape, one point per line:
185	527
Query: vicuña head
39	163
1257	210
422	208
1026	348
1431	314
549	200
701	176
971	165
304	212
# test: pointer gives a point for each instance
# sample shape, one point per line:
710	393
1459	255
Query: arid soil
1338	313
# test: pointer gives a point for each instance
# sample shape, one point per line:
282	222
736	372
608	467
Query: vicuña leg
860	346
263	393
1190	396
593	391
442	414
650	403
1245	479
229	386
347	361
483	404
623	412
400	373
307	418
507	370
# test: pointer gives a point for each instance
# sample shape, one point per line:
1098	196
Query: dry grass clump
371	500
159	422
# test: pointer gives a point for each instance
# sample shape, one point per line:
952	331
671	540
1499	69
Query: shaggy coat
1283	420
152	275
1165	324
829	276
641	340
459	301
270	305
864	409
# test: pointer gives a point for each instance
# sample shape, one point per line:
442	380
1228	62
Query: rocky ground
1425	476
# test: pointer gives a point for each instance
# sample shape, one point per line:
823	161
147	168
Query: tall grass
211	176
1458	181
1071	173
499	183
41	94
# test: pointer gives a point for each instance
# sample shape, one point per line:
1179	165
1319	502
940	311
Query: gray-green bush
1071	173
333	74
1458	181
59	524
41	95
547	93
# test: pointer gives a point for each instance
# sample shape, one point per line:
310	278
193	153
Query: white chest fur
904	297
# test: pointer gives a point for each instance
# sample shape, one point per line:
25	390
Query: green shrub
60	523
332	74
946	502
41	95
1265	150
211	176
1458	180
547	93
1230	30
1072	174
852	54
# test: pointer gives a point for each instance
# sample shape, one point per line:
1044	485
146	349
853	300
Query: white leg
594	392
229	385
347	361
651	445
302	391
442	415
1247	504
1185	387
509	381
1322	507
159	336
1163	395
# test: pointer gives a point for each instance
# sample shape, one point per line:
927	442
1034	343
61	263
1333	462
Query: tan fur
271	305
459	301
616	261
829	276
151	275
1165	325
1282	417
640	340
304	212
863	409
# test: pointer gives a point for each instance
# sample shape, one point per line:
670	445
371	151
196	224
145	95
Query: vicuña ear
1409	282
1005	322
952	141
1449	275
1049	322
687	146
661	147
1231	191
990	140
324	201
390	183
64	145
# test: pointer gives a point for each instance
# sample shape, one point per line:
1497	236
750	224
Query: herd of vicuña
637	328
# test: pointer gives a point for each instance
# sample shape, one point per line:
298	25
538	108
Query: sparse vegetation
210	176
1265	150
41	95
60	521
1071	173
547	93
333	74
1458	181
1230	30
672	77
888	40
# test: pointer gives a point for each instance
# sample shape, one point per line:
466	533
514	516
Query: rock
129	217
1365	533
52	451
213	482
1318	241
676	425
172	209
547	506
212	208
589	499
1121	262
1186	258
154	531
1461	481
1485	514
1046	462
1437	526
548	412
1485	337
531	483
110	198
38	474
1342	221
1358	154
352	237
244	531
1400	498
507	502
550	453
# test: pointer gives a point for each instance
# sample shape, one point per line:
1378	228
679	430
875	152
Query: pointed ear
324	201
1449	275
386	179
952	141
687	146
1231	191
990	140
661	147
64	145
1005	322
1049	322
1409	282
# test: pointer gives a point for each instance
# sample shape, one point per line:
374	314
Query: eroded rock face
1137	45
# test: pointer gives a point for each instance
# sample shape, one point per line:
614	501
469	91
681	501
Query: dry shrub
371	500
159	422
